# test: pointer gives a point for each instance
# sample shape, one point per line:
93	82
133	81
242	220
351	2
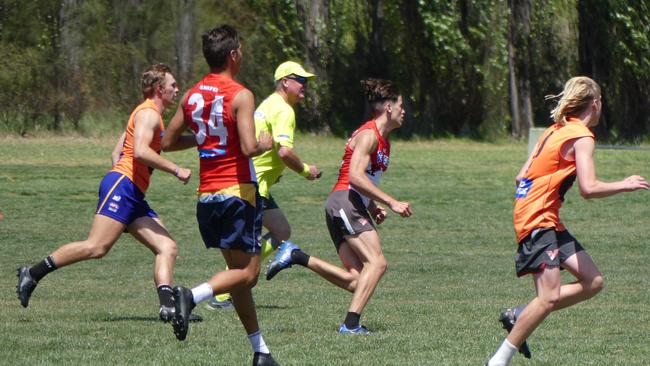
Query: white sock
258	342
503	355
202	292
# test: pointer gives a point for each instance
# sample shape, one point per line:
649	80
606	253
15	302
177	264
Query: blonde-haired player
563	153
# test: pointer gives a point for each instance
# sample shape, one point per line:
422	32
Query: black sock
352	320
42	268
165	294
300	257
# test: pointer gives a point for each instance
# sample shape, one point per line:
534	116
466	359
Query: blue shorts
231	224
122	200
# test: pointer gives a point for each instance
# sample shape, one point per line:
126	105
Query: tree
519	62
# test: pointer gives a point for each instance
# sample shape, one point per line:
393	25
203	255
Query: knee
381	265
97	250
597	284
169	249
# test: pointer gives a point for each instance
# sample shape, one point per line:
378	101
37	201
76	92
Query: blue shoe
282	259
358	330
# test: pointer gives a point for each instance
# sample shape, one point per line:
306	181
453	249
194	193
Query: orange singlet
541	192
136	171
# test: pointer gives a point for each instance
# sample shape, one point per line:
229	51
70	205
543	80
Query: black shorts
345	214
231	224
544	248
268	203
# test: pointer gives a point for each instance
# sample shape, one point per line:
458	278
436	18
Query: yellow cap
288	68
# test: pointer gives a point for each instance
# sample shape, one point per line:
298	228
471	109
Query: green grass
450	266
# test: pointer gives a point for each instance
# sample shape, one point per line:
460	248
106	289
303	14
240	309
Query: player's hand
264	142
401	208
183	175
313	173
635	182
378	214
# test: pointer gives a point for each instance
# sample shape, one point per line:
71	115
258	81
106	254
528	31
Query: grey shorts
346	214
545	248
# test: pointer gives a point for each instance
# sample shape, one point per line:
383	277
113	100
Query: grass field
450	266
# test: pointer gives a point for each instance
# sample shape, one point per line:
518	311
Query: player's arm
590	187
525	167
146	125
364	144
243	107
117	150
292	160
174	139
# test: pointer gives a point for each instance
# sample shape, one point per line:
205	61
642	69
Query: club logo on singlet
383	158
524	188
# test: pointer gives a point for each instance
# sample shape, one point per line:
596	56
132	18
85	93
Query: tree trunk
377	65
185	41
316	17
519	66
71	54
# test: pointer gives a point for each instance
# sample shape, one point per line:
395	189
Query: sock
300	257
267	249
42	268
165	294
202	292
258	342
352	320
503	355
223	297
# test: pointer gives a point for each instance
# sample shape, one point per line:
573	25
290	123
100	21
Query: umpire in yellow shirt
277	117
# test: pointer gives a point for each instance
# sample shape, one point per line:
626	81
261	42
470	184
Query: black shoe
183	304
508	319
264	359
26	285
167	315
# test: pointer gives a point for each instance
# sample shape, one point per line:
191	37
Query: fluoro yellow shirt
277	118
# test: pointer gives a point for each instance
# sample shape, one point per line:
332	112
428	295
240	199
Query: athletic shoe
358	330
264	359
282	259
167	314
26	285
215	304
183	304
508	318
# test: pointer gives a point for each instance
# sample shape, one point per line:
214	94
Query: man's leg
104	232
151	232
589	280
547	284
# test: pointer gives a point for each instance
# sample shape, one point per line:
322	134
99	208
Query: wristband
178	169
305	170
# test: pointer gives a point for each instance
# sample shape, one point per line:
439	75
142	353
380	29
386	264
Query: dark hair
378	91
217	44
152	76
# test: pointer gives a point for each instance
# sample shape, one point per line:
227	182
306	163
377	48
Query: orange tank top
137	172
540	193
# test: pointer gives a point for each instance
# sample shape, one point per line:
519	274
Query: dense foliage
63	61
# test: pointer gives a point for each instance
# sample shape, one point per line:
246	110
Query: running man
353	205
219	111
563	152
276	117
122	205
